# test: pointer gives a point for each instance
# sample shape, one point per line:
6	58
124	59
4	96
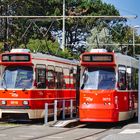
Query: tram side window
129	83
122	78
133	78
66	78
51	79
74	81
60	80
73	78
136	78
41	77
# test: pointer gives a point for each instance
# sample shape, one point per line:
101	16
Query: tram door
123	96
129	87
77	89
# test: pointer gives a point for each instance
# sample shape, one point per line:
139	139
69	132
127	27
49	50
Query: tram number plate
14	102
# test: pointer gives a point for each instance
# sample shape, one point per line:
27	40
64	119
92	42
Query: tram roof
41	56
47	56
126	60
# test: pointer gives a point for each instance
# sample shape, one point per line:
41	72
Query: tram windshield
17	77
98	78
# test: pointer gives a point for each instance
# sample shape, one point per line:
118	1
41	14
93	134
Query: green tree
77	29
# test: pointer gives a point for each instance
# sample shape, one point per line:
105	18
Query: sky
128	8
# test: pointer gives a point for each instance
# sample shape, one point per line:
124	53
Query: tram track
92	135
13	123
98	131
53	135
97	135
9	128
82	131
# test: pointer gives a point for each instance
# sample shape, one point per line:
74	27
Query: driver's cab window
41	75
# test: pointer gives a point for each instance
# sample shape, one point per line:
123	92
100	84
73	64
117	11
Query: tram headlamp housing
25	102
3	102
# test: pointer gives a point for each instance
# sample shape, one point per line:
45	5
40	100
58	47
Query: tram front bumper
98	115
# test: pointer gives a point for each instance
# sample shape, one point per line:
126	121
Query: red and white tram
109	87
29	80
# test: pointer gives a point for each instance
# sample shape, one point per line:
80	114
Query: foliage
37	45
79	29
41	33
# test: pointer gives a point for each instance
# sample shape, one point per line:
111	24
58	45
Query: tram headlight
3	102
25	102
107	103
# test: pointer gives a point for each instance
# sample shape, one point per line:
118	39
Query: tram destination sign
15	58
97	58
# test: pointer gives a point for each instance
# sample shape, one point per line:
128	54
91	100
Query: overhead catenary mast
63	32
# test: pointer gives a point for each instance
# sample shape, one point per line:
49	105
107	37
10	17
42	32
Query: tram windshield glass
98	78
17	77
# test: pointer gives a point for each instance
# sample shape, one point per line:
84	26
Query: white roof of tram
45	56
121	59
20	50
98	50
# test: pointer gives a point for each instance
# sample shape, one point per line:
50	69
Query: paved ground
129	132
47	132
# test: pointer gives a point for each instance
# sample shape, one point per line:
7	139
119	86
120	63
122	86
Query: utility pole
1	22
6	24
63	32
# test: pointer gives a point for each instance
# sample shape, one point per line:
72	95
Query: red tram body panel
108	87
30	80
